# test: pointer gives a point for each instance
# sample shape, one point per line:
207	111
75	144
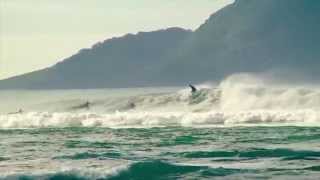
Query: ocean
232	130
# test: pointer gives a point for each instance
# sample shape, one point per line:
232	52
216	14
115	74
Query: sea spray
239	100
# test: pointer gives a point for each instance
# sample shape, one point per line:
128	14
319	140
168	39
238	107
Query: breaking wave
148	119
156	169
238	100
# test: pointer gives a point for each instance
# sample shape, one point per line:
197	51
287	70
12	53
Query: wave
89	155
157	169
80	174
286	154
153	169
239	100
159	119
247	92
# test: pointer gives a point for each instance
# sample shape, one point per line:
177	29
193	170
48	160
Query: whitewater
239	100
244	127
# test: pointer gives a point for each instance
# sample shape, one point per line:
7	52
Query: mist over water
245	127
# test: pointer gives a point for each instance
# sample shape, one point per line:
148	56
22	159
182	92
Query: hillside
117	62
247	36
254	36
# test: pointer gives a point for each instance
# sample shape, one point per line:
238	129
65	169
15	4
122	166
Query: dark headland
246	36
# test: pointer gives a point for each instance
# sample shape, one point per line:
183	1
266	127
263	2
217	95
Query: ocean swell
238	100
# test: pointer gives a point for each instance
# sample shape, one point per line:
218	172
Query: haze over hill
247	36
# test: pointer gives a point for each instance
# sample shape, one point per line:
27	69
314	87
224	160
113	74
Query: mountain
253	36
246	36
118	62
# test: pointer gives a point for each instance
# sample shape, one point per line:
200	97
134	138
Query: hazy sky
38	33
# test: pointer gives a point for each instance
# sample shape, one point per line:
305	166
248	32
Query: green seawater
160	153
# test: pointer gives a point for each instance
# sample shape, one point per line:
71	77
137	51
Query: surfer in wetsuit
193	89
18	112
86	105
194	97
132	105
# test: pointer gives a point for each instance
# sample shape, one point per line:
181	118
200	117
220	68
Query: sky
35	34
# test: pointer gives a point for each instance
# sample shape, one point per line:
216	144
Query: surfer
18	112
132	105
194	96
193	89
86	105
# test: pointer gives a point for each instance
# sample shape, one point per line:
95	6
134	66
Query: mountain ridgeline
246	36
118	62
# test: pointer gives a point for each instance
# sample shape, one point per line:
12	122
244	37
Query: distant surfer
129	106
132	105
86	105
193	89
20	111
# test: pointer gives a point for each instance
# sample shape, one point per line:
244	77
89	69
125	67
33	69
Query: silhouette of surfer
196	96
20	111
132	105
86	105
193	89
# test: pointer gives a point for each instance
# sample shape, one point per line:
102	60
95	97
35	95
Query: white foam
43	168
246	92
153	119
239	100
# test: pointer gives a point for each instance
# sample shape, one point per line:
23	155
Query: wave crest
238	100
156	119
